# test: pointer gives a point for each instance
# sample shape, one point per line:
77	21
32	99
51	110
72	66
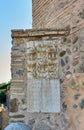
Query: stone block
14	105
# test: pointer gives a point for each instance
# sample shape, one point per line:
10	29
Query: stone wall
4	119
58	13
67	14
18	83
71	72
18	92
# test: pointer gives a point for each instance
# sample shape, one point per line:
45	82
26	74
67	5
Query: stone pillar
18	84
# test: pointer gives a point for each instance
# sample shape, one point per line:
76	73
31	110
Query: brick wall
58	13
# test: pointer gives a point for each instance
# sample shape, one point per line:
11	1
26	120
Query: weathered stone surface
67	59
4	119
75	63
58	14
62	63
75	106
65	120
82	103
62	53
42	126
77	96
81	68
75	39
31	122
74	83
14	105
43	95
66	70
64	106
81	14
17	116
20	71
70	53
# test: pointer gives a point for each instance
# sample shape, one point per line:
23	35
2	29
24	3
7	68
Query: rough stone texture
58	14
67	14
18	83
76	113
4	119
43	86
13	105
70	50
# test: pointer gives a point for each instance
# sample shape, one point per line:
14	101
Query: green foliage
4	87
2	98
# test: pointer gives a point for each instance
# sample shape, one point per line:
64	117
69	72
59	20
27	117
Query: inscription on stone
42	60
42	77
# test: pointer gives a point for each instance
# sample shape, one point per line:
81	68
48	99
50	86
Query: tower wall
68	17
58	13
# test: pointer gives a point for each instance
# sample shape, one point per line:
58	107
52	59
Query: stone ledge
41	32
21	81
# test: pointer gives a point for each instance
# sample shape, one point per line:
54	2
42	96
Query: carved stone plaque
42	60
43	86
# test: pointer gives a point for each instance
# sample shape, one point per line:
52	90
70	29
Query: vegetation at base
4	87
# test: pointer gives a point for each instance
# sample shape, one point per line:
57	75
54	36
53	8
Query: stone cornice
40	32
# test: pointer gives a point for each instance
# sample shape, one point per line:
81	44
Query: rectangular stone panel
50	95
43	86
43	95
42	61
34	95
